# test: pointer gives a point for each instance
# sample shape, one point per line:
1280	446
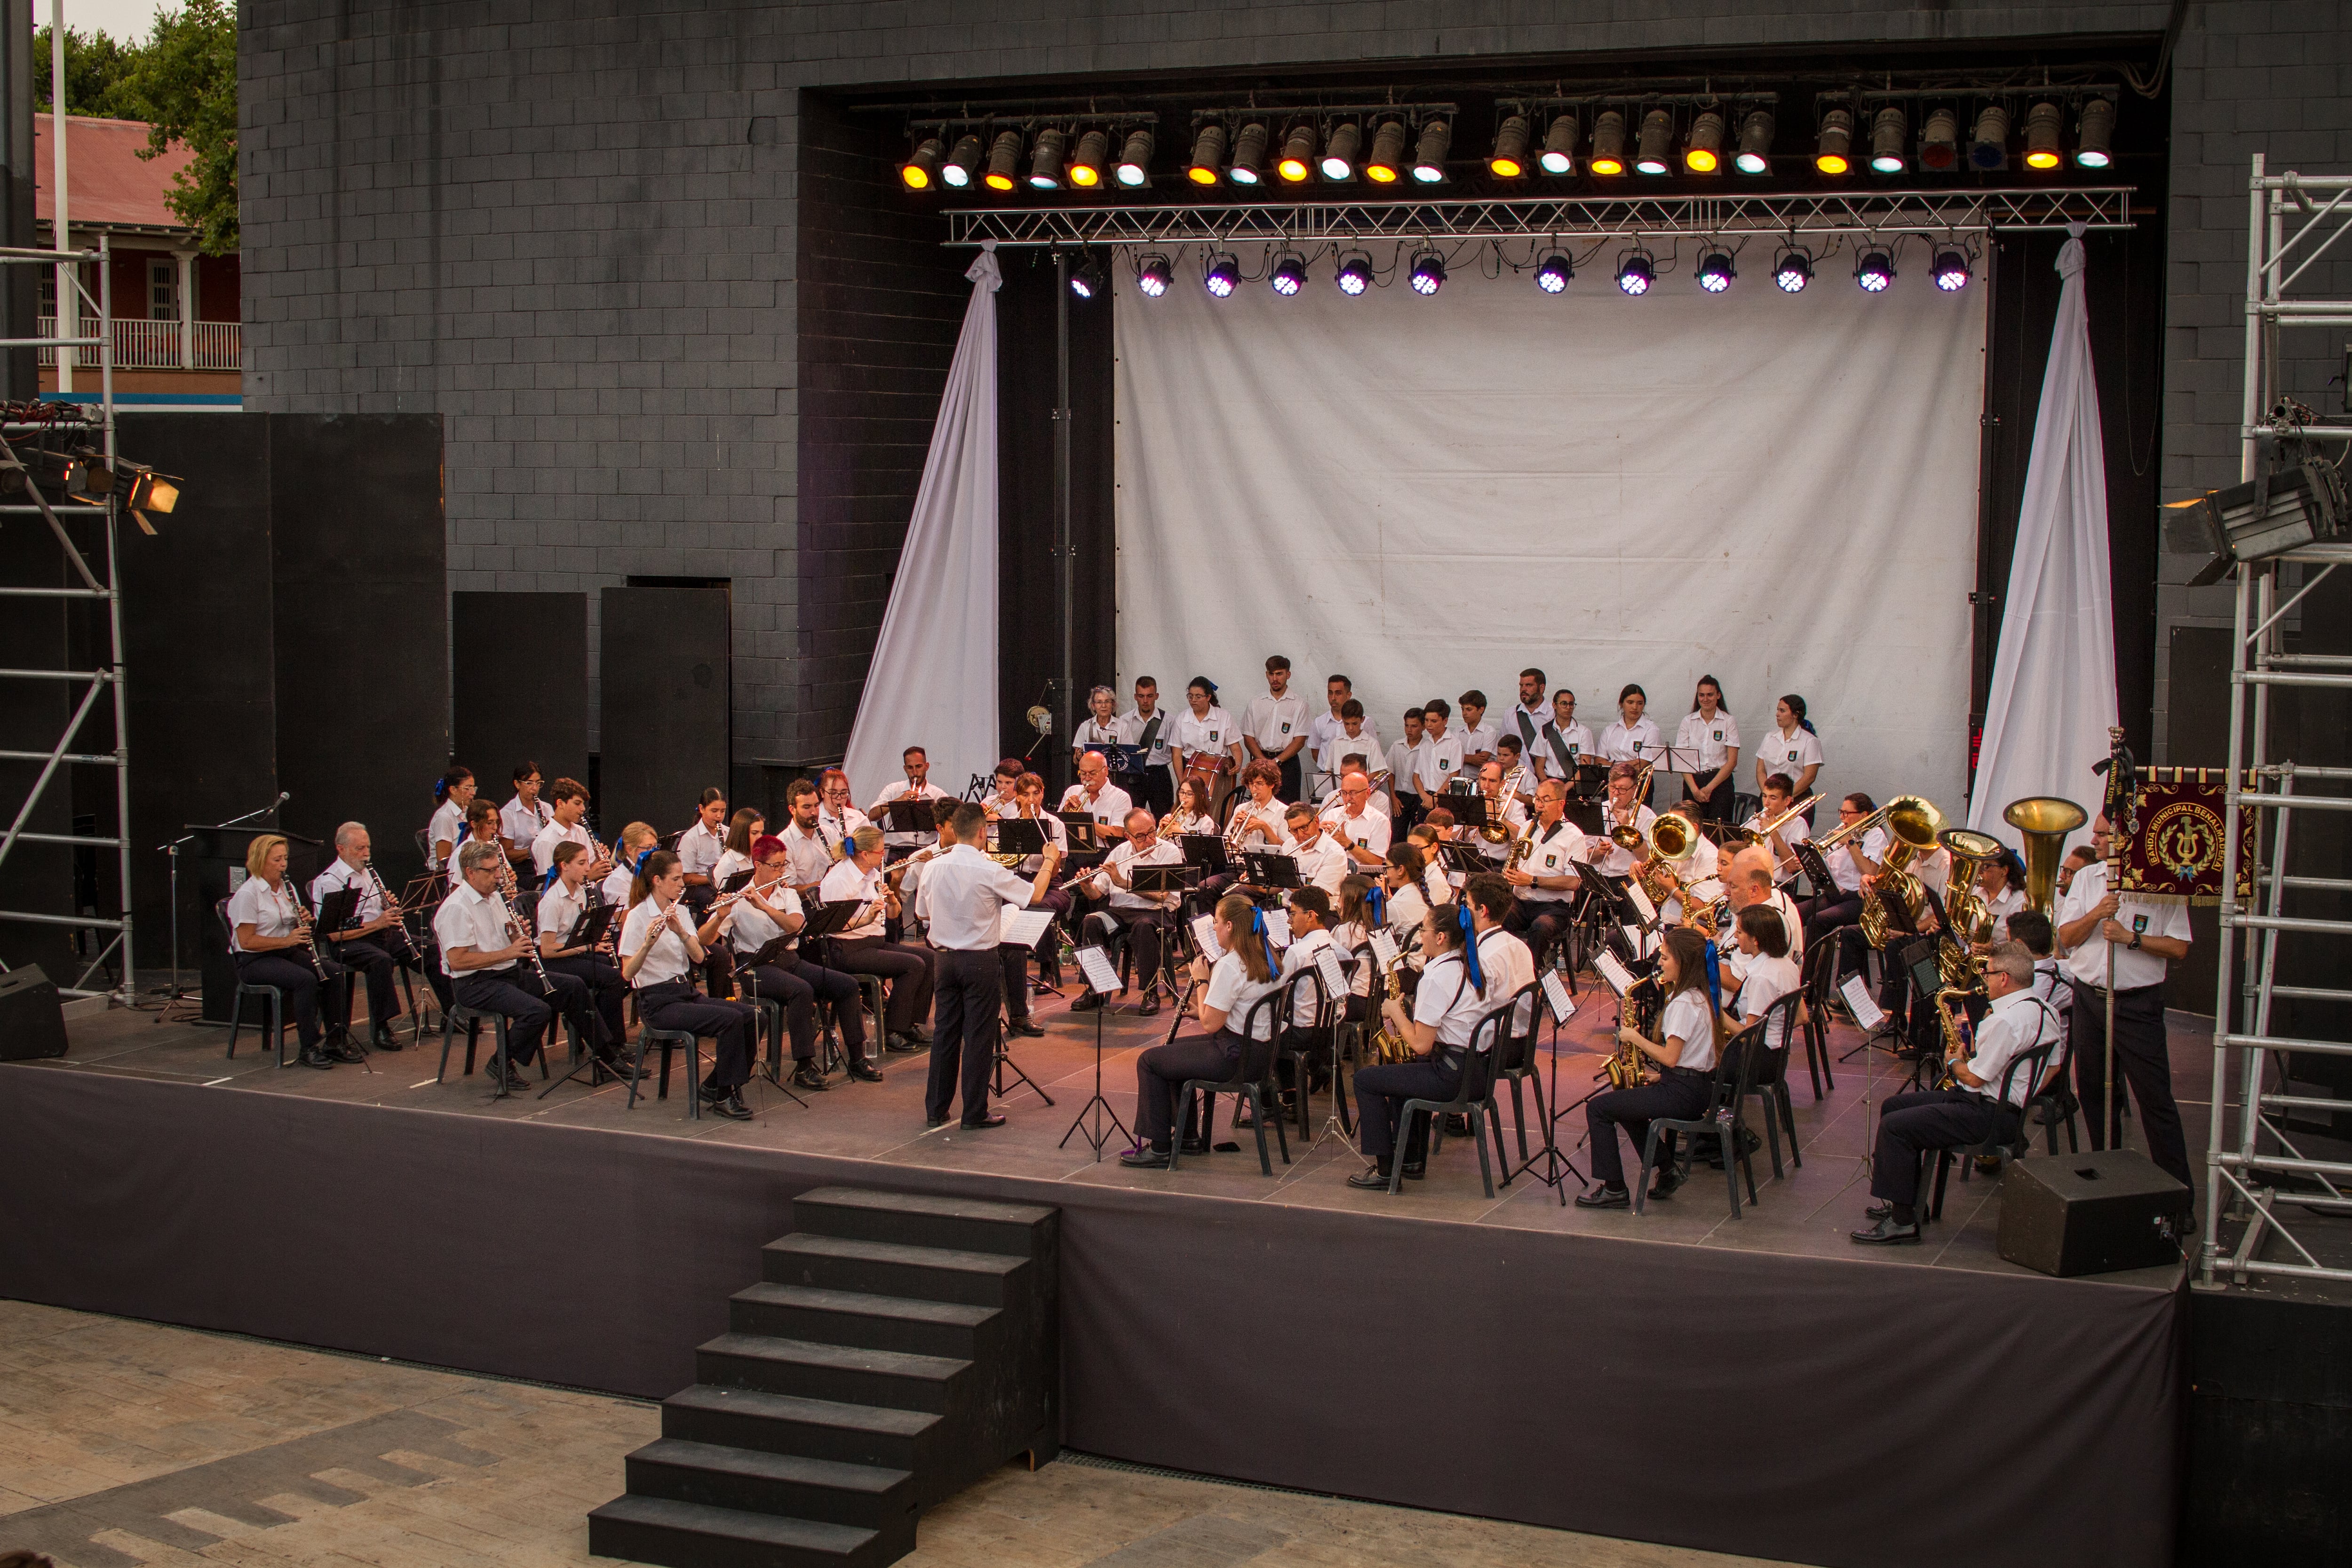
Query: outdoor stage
1758	1385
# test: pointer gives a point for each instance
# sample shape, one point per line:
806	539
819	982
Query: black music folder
589	929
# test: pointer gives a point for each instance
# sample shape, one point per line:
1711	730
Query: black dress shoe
516	1082
919	1035
865	1072
1369	1178
382	1039
988	1118
1089	1003
621	1067
1196	1145
1414	1170
1150	1006
807	1076
1887	1232
932	1124
344	1051
1024	1026
1669	1179
1878	1211
1600	1196
1457	1126
901	1044
312	1057
1144	1159
733	1107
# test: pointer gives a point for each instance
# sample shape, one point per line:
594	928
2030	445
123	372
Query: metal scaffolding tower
91	573
2256	1172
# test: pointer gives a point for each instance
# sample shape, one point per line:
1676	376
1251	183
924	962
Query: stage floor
1805	1212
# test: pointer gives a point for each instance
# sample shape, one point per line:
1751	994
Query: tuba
2044	821
1913	822
1672	841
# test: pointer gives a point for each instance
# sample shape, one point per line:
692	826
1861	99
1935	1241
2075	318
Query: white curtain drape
933	679
2053	679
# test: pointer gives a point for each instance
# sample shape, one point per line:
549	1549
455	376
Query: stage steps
898	1348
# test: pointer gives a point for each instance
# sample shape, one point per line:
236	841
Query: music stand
1556	1167
1133	761
1470	808
1103	980
1079	827
589	929
735	883
1592	781
1270	868
1815	866
909	814
1457	856
1015	836
1205	853
821	925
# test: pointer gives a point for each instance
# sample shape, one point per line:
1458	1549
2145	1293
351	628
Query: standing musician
482	944
1100	727
1860	856
862	947
1244	973
362	944
520	818
1145	917
769	909
1792	748
1029	806
1404	793
915	786
561	909
1527	716
745	828
1478	740
1357	745
805	847
1562	744
1633	738
1095	795
1274	727
659	951
1690	1031
481	828
1361	831
1322	860
962	896
1445	1010
270	940
836	819
567	805
1622	811
452	794
1330	735
1437	761
700	846
1208	744
1545	879
637	840
1709	729
1147	726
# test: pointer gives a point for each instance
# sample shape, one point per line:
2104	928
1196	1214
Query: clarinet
309	946
400	924
531	950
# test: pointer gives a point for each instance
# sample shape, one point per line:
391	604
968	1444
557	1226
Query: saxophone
1627	1068
1386	1046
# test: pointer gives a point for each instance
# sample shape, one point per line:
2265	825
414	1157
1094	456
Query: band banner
2177	852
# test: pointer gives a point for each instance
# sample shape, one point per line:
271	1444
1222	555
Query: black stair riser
760	1494
847	1386
1011	1238
831	1326
675	1548
878	1277
815	1440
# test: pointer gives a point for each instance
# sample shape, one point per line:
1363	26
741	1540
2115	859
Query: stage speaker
2092	1213
32	1021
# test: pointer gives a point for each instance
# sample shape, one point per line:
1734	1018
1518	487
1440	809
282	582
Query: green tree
95	68
183	82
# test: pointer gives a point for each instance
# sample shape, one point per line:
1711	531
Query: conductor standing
961	899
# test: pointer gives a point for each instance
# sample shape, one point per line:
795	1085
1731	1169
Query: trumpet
1757	830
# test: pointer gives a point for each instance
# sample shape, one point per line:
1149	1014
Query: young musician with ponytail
659	951
1792	748
452	794
1691	1030
1245	974
1445	1011
560	908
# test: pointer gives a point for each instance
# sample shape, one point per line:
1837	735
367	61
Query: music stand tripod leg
1095	1135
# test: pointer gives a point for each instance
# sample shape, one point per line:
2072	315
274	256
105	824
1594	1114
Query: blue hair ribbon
1470	946
1376	899
1265	940
1714	978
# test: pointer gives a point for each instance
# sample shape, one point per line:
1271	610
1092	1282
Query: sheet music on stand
1434	883
1863	1006
1204	932
1277	927
1079	827
1616	976
1642	941
1555	990
1384	948
1021	927
1327	965
1096	965
1639	897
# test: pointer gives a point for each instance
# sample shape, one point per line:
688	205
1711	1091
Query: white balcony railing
158	345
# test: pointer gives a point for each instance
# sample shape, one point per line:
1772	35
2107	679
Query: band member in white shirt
520	818
659	948
863	948
790	977
1260	811
1624	810
1633	737
1527	716
2001	885
1330	735
1710	736
1690	1032
1444	1011
1477	735
1100	727
1274	727
1227	996
567	805
700	847
1208	742
1322	863
1860	856
1029	806
638	839
1404	790
915	786
561	909
1562	744
1145	917
1791	747
1511	817
1403	880
1100	799
482	827
1306	1029
1782	841
452	792
744	829
836	819
1149	726
270	940
962	897
1362	832
1192	810
805	850
1748	881
374	940
1545	877
1760	970
1437	761
482	949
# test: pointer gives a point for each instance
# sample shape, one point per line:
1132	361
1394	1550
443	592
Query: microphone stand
172	849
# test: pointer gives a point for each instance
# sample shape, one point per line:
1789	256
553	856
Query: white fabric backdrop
933	679
2052	697
1430	494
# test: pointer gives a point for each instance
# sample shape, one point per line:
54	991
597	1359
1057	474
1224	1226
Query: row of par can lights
1637	272
1059	158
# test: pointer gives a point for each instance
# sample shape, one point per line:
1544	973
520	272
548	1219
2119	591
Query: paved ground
124	1443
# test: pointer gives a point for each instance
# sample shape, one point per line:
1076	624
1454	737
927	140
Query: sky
117	18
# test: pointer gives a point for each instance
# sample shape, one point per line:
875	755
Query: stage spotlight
1388	153
1249	154
1951	271
2095	133
956	171
1889	129
1429	156
1558	155
1045	159
1339	149
1509	159
1705	153
1152	276
1792	271
1939	141
1002	159
1133	169
1289	275
2042	124
1833	149
1208	154
1657	139
1608	144
1086	162
1224	276
1355	273
923	165
147	494
1088	280
1297	154
1554	272
1637	272
1875	272
1755	155
1715	271
1988	143
1428	272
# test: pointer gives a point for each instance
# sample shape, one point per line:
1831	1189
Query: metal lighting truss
2293	221
96	577
1789	215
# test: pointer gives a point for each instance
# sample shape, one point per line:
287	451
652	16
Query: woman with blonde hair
269	938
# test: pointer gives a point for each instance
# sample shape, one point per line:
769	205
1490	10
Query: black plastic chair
270	993
1821	981
667	1041
457	1014
1252	1078
1319	1033
1735	1071
1474	1097
1770	1079
2055	1104
1515	1062
2032	1064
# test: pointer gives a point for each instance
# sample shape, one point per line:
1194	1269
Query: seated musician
1322	863
1359	829
452	792
659	950
807	856
1986	1100
1227	991
836	818
1760	969
1146	917
1029	806
638	839
1444	1011
1782	841
482	950
1832	907
367	941
1193	813
1545	879
566	808
1361	911
1690	1032
700	846
1624	810
1258	820
482	827
1701	872
2001	885
1749	882
270	941
863	947
916	763
1311	920
561	909
1100	799
1512	817
769	908
1404	882
745	828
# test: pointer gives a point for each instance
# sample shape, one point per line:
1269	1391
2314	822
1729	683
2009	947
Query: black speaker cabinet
32	1024
2092	1213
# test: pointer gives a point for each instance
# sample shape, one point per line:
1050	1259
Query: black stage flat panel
663	727
1721	1397
362	622
37	879
198	634
519	680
